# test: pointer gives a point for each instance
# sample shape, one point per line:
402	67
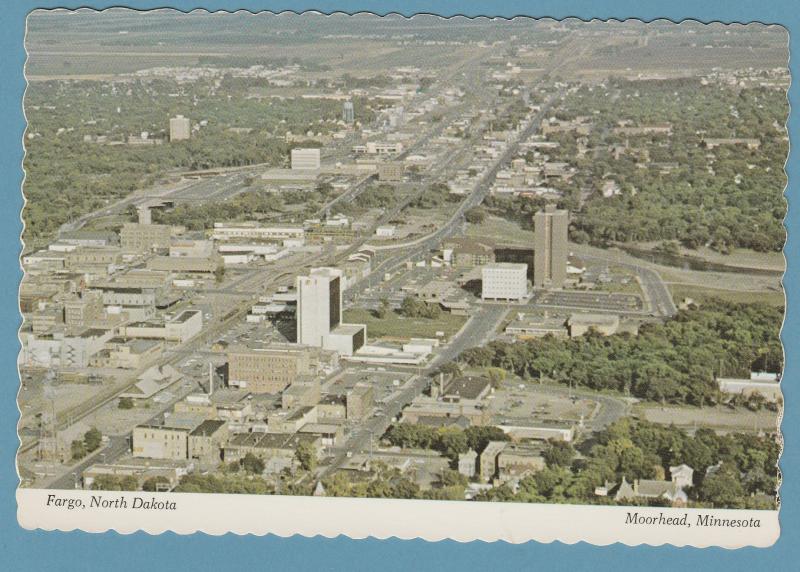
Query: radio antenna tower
48	446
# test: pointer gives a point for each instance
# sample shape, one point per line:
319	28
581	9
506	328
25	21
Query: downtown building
144	238
550	247
348	113
319	313
180	128
305	159
504	281
270	369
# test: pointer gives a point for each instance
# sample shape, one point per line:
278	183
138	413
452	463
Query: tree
475	215
496	376
477	357
154	484
451	478
452	442
455	492
92	439
405	488
432	311
115	483
671	362
670	247
450	368
408	435
325	188
552	483
480	436
411	307
78	450
503	493
558	453
306	456
722	489
252	464
125	403
337	485
219	274
384	309
223	483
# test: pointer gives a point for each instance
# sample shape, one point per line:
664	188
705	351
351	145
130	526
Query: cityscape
445	259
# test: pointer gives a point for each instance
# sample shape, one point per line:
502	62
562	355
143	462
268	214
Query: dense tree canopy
67	176
676	361
672	186
449	441
729	470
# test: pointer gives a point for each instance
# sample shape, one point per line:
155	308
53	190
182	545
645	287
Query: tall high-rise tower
348	113
550	247
319	305
319	313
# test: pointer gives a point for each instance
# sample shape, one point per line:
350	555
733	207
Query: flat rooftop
467	387
184	316
208	427
608	319
348	329
506	266
270	440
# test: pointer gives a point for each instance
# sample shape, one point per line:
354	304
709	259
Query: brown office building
390	171
268	370
135	237
550	248
359	401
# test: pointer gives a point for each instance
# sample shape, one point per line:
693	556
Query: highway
116	447
220	186
423	245
348	196
479	328
475	332
374	427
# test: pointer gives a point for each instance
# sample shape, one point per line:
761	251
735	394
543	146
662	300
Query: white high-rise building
305	159
319	305
319	313
505	281
180	128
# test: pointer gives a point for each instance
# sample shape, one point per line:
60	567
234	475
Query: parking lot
529	402
600	301
383	380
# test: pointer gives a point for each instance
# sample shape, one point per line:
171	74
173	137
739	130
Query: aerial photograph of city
530	261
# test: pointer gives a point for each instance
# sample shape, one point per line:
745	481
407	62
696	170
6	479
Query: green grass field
398	327
502	231
679	292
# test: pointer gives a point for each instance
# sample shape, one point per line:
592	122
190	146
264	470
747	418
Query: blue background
23	550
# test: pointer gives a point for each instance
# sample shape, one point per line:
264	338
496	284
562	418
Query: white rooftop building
319	313
180	128
505	281
305	159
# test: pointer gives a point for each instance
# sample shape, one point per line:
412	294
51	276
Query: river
694	262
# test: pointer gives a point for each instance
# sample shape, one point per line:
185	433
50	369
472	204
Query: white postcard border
357	518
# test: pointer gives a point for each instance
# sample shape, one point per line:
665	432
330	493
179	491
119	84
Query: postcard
439	278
